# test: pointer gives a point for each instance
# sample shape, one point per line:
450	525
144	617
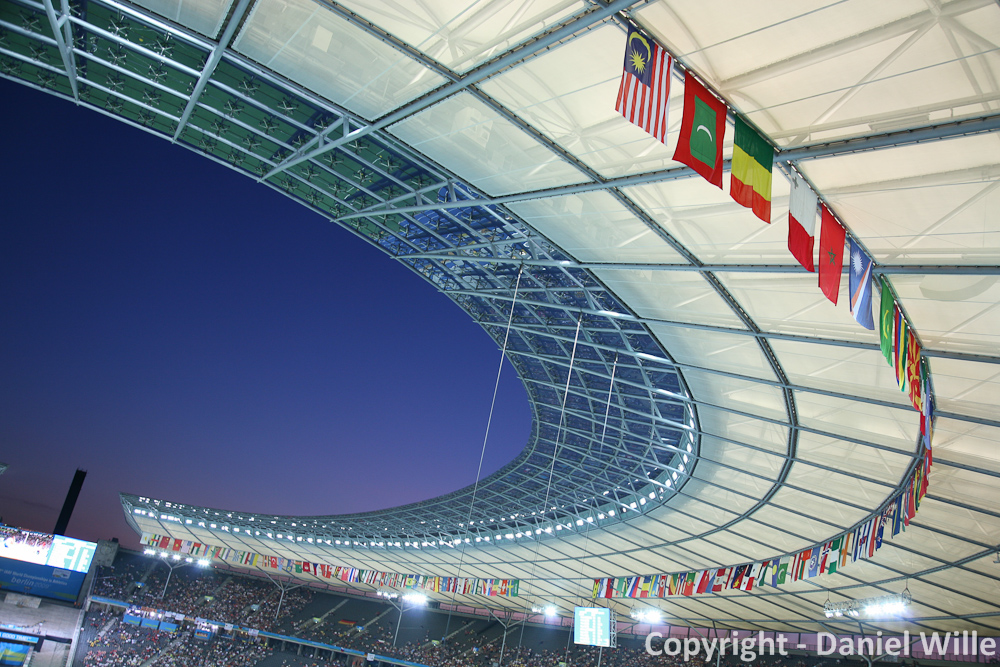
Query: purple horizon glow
181	332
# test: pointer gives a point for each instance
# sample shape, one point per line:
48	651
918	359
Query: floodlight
415	598
646	615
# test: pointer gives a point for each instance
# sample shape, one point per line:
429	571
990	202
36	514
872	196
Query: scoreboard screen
42	564
592	626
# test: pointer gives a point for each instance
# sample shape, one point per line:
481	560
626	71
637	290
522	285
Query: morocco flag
753	158
802	222
702	131
831	255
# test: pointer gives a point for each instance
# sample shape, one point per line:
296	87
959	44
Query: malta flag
702	130
644	92
861	286
831	256
750	182
802	222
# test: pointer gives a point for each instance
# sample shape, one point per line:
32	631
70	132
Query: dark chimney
70	502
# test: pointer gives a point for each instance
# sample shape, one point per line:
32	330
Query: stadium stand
362	624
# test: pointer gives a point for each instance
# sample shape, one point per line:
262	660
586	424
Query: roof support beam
582	22
871	37
213	61
64	39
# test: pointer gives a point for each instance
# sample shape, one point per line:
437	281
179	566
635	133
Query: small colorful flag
644	91
913	371
831	255
750	182
702	131
901	345
861	286
886	321
802	222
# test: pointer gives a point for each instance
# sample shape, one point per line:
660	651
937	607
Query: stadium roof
720	410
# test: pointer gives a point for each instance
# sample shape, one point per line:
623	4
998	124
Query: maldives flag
644	92
702	130
831	255
861	286
802	222
750	182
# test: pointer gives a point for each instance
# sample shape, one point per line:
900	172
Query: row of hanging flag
432	584
643	99
861	543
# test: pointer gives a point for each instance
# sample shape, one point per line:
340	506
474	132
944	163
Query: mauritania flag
644	92
861	286
753	158
886	321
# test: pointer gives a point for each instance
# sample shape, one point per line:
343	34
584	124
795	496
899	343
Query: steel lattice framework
648	453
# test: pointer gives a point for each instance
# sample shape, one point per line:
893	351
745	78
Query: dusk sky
182	332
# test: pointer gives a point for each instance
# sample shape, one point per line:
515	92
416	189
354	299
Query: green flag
699	144
885	320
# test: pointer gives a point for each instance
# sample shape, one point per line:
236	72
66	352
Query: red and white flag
644	92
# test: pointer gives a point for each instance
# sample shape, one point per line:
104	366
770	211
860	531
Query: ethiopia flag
753	158
702	129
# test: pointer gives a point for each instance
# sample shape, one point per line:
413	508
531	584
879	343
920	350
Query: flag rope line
604	431
548	485
482	454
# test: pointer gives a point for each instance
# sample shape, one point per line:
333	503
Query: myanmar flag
831	255
886	321
702	129
753	158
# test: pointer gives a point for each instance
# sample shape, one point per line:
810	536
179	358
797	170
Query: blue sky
182	332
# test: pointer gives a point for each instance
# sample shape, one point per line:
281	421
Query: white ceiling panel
959	313
594	226
966	387
202	16
736	393
845	370
716	350
794	304
895	427
717	230
675	296
303	41
489	151
461	35
852	458
578	112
